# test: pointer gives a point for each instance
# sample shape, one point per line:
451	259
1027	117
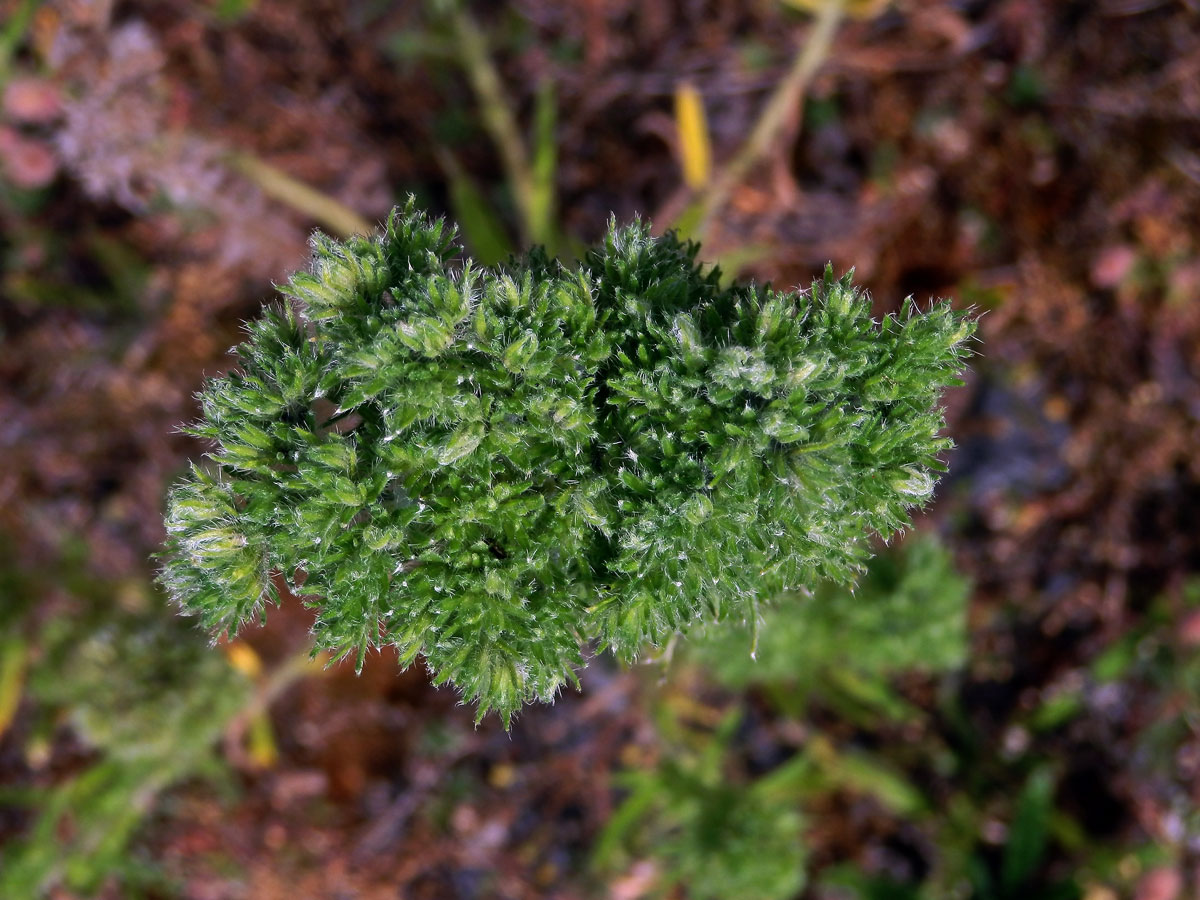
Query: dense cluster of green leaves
487	468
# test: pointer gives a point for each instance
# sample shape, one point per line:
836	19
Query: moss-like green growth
487	468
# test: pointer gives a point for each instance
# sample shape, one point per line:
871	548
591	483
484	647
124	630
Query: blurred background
1007	707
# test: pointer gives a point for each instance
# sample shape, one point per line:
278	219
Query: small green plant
709	831
490	467
706	824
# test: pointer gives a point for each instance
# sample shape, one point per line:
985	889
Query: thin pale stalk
788	96
288	672
498	117
277	184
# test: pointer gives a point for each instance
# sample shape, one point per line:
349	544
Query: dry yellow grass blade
695	146
13	656
243	658
323	209
856	9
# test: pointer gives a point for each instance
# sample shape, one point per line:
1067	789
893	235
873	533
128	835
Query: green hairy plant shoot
490	468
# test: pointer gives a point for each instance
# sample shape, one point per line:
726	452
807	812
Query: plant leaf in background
712	834
543	170
482	229
1028	832
14	655
146	692
695	145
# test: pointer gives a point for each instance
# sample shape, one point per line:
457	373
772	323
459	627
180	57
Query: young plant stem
292	669
498	118
787	101
13	32
277	184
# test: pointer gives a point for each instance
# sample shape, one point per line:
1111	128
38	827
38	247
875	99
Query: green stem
498	118
278	185
283	676
784	103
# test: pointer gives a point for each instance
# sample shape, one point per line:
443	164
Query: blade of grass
481	226
783	104
321	208
545	163
1028	833
13	656
695	147
13	33
261	747
497	114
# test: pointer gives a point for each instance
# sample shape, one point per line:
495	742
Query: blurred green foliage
720	833
713	829
907	613
716	834
91	271
148	699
